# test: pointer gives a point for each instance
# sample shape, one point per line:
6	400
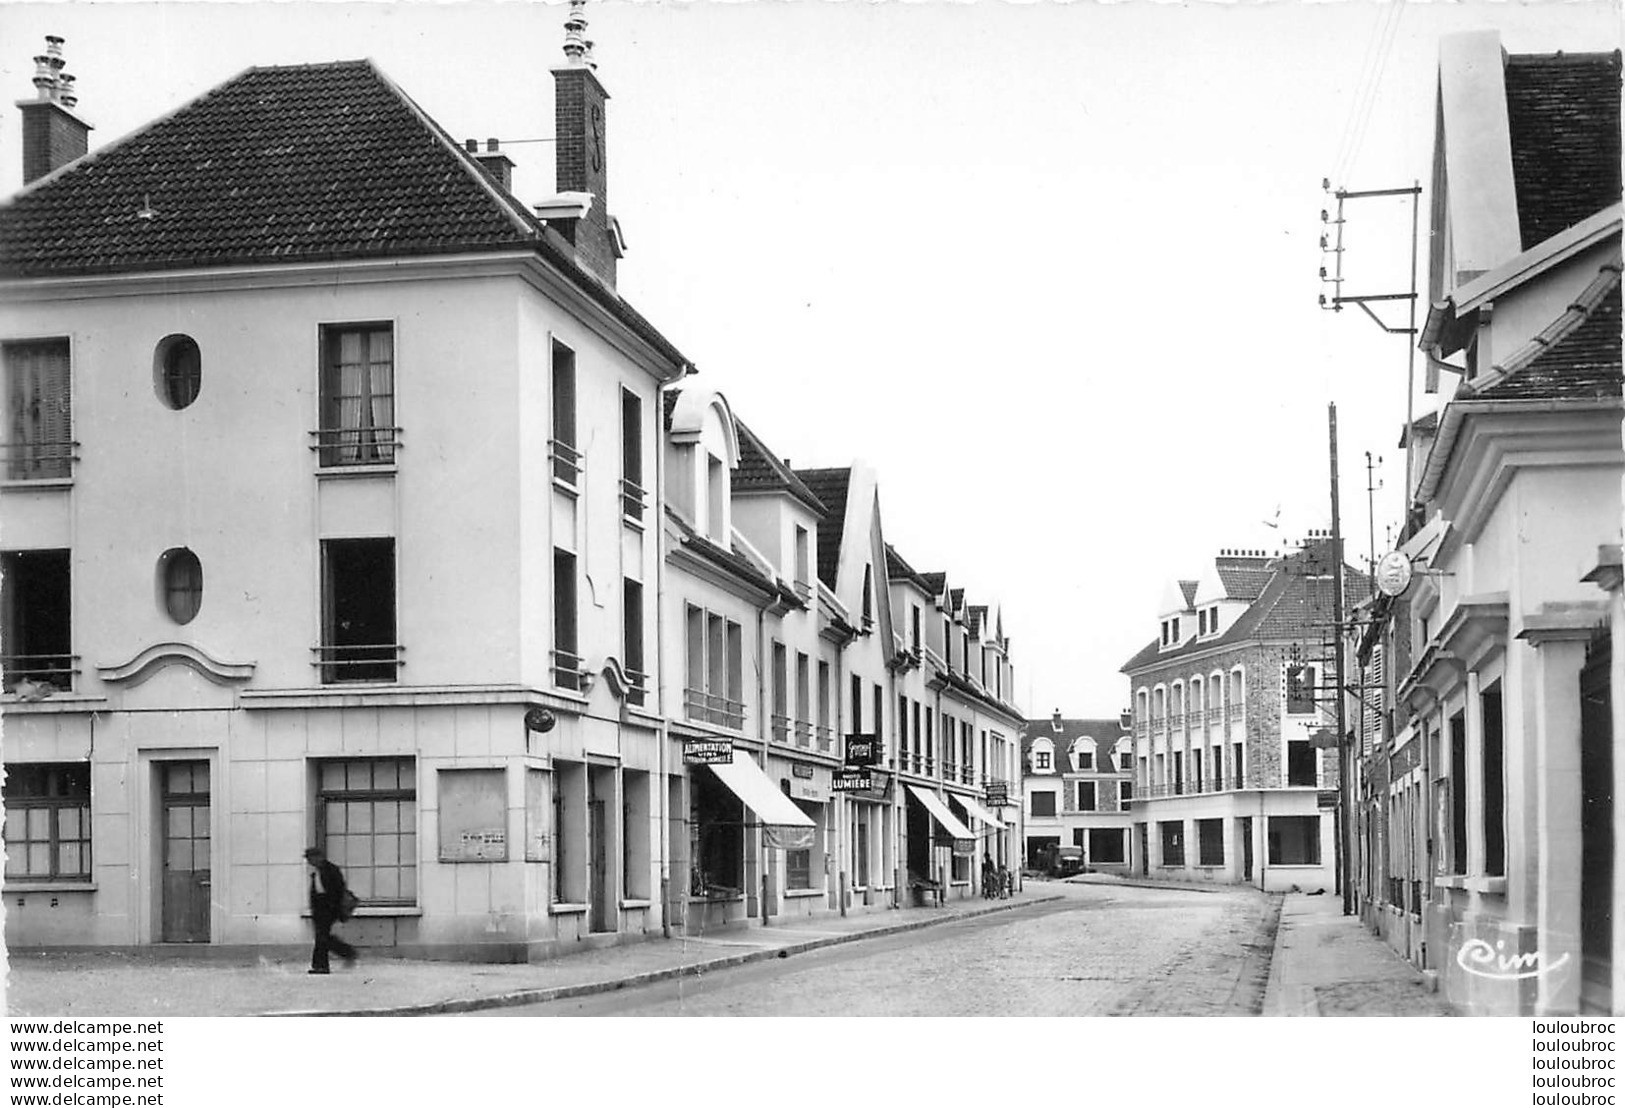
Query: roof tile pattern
1105	733
760	469
830	487
280	164
1582	365
1563	112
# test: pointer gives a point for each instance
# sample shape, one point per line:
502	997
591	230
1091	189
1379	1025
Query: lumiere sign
862	753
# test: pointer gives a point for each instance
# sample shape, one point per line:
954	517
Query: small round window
180	584
178	371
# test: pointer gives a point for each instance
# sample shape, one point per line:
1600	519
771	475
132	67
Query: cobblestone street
1100	951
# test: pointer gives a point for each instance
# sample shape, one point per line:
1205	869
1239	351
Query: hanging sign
707	752
1393	573
998	794
863	750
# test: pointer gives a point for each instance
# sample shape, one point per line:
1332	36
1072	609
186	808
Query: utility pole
1345	782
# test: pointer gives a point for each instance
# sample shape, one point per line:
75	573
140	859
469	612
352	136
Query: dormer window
1173	627
868	597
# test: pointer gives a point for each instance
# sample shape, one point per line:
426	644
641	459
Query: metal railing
825	738
357	662
781	728
950	770
708	708
1232	712
50	460
566	669
637	683
55	670
355	446
804	733
633	497
566	460
1214	716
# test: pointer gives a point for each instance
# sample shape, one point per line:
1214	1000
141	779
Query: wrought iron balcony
357	662
39	461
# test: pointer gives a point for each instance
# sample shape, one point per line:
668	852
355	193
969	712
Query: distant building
1234	777
1077	785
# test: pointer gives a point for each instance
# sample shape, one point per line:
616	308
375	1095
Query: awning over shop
981	813
786	825
939	812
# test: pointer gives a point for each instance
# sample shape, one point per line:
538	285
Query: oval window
180	583
178	370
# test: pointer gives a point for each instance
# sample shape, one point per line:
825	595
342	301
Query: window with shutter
39	415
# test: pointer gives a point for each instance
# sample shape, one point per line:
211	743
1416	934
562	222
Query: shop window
47	821
1294	840
1458	793
357	395
1210	842
716	839
473	815
366	819
36	619
1106	845
1043	803
39	415
1494	778
636	829
801	866
569	833
1173	842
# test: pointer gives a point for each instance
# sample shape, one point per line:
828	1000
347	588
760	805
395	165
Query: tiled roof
1422	425
1105	732
729	560
1296	605
935	582
829	486
280	164
898	569
669	399
975	616
761	470
1563	113
1584	364
956	598
1188	590
1242	578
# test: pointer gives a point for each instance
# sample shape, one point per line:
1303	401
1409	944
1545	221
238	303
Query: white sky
1050	269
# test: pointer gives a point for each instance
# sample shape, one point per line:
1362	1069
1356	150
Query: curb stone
565	992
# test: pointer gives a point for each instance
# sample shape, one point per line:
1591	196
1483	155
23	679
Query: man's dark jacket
325	904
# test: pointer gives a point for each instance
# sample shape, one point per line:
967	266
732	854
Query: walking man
328	905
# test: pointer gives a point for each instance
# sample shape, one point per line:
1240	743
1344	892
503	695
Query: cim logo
1480	959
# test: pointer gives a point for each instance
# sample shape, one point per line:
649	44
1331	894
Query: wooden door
187	866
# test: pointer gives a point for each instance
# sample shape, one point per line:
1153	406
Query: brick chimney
53	135
578	130
496	164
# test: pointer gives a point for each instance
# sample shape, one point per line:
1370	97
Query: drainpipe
664	734
840	755
764	731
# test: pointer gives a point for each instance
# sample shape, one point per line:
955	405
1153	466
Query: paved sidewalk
1328	964
119	984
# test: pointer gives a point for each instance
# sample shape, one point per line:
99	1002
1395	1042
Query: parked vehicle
1066	861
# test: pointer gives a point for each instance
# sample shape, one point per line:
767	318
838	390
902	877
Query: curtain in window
38	403
360	409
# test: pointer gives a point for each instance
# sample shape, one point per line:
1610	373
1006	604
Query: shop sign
1403	760
800	770
863	750
1326	798
707	752
853	780
965	848
1323	738
998	794
808	783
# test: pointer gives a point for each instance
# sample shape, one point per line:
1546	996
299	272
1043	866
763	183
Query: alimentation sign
707	752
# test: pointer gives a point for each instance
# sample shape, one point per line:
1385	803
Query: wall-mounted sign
707	752
998	794
1323	738
540	720
863	750
797	769
853	780
1326	798
1393	573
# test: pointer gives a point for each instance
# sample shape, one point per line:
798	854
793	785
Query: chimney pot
491	145
52	135
471	145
